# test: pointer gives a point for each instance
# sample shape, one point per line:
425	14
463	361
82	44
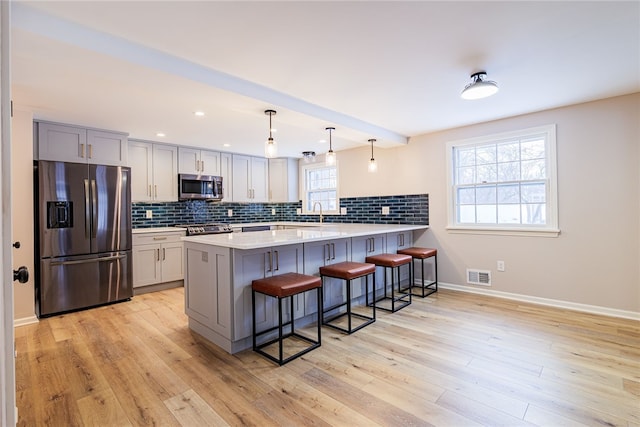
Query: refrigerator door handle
87	210
94	209
84	261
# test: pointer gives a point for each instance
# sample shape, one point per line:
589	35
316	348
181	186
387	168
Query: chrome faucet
314	209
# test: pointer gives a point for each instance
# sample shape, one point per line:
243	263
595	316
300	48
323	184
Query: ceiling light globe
373	165
479	90
270	148
330	158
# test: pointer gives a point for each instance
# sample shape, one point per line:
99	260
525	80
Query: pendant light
479	88
373	166
270	147
330	157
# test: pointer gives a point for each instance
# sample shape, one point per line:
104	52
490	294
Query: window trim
303	188
551	229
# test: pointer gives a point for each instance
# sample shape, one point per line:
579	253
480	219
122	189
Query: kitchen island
219	270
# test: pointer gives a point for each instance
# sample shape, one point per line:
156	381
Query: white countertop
307	233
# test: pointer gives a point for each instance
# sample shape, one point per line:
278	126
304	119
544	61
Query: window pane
465	156
509	214
467	214
508	171
534	213
533	149
486	194
509	152
509	194
486	214
466	196
487	173
533	169
534	192
466	176
486	154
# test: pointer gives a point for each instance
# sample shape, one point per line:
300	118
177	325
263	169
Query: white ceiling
372	69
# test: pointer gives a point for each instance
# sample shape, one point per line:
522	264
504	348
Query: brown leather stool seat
426	287
282	286
401	298
347	271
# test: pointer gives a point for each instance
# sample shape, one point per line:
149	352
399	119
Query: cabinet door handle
156	188
164	254
277	261
327	248
149	193
197	165
82	151
89	151
201	165
269	263
158	254
159	238
333	247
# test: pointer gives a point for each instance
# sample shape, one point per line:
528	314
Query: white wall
594	261
22	211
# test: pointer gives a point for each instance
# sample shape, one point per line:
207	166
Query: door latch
21	274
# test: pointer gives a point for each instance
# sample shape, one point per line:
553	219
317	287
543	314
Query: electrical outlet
230	212
298	211
500	265
148	214
273	211
343	211
385	210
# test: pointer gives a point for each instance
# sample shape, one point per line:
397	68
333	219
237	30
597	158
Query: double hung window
320	186
504	183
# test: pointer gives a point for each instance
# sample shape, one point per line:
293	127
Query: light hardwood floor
452	359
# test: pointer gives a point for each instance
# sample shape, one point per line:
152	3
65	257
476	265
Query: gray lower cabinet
316	255
208	291
361	248
249	265
396	241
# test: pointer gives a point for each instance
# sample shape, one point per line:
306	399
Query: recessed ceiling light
226	144
322	141
198	113
160	134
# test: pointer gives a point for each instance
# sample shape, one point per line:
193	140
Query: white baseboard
25	321
594	309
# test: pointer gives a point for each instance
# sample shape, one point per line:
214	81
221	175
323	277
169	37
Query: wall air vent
479	277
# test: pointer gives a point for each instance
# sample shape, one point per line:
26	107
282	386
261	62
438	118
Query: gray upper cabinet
198	162
283	180
154	172
65	143
250	179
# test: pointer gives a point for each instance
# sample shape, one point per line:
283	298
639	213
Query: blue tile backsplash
403	209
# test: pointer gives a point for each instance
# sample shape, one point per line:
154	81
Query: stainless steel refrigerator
83	232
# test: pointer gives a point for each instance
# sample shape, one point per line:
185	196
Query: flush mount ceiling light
330	157
479	88
309	156
373	166
270	147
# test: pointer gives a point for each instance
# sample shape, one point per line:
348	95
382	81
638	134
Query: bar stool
422	254
280	287
393	262
348	271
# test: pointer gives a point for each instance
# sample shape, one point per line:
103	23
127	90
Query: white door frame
7	354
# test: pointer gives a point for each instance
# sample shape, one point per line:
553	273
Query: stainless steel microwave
199	187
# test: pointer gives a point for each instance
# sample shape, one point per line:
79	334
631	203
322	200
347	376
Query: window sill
527	232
